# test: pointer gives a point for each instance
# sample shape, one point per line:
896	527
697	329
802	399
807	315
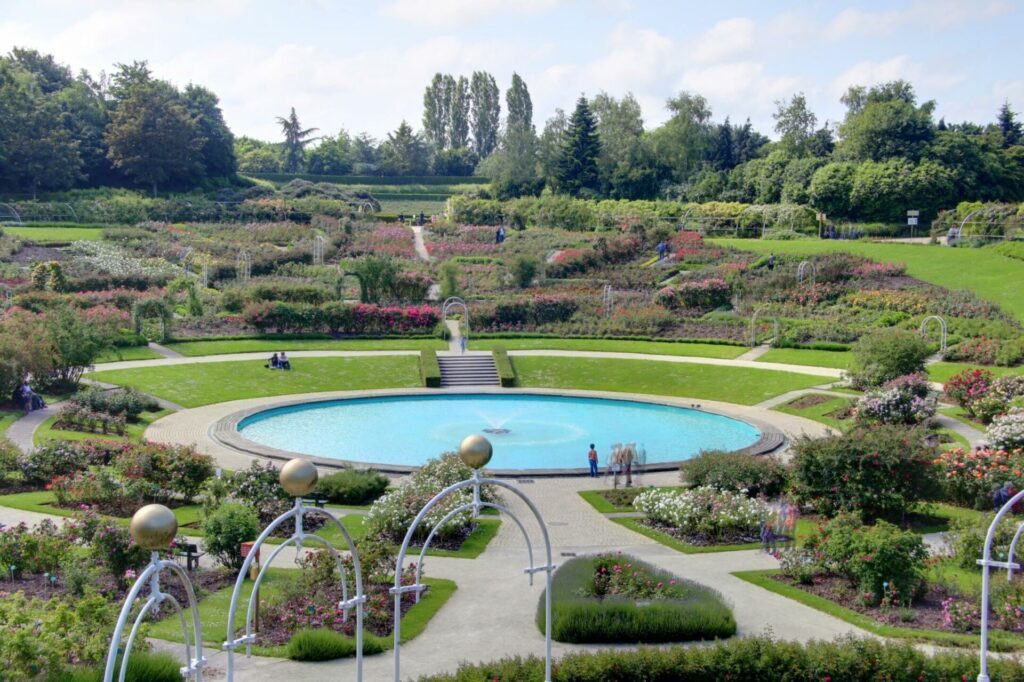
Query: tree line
58	130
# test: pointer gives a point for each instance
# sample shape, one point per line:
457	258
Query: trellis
943	329
9	215
753	327
802	271
318	250
243	266
608	299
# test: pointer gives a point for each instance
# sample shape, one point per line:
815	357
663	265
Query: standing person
771	261
592	460
463	343
26	396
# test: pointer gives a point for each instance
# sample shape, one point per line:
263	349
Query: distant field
988	274
412	207
56	235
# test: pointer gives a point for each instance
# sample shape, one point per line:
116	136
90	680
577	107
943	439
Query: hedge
751	658
506	373
374	179
430	369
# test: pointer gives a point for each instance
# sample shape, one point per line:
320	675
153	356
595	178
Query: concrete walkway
20	432
419	244
164	351
755	352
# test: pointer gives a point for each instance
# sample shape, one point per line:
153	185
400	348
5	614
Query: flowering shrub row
1007	430
970	477
337	317
904	400
705	512
982	396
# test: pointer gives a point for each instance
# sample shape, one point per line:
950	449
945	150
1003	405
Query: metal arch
357	601
14	212
1013	550
753	327
194	668
342	274
942	325
682	220
608	299
476	482
318	249
449	303
71	208
986	564
801	271
758	213
243	266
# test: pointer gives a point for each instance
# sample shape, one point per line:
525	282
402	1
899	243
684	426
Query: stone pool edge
225	430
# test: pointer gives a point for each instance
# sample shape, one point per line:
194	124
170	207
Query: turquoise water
543	432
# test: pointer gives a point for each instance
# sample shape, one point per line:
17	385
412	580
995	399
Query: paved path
20	432
164	351
419	244
755	352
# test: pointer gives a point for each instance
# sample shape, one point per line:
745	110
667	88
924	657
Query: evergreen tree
724	156
458	114
1009	126
403	152
296	139
520	106
218	148
577	166
485	113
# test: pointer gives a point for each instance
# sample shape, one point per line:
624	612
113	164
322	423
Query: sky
363	66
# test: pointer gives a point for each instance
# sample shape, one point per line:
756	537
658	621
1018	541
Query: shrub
1007	431
327	645
706	513
430	368
971	477
353	486
735	472
176	469
704	294
587	609
904	400
877	471
127	402
524	269
53	458
879	559
885	355
9	454
506	373
225	529
968	386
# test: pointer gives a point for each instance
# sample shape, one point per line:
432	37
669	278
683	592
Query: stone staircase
468	370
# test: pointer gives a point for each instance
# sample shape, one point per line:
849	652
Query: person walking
592	459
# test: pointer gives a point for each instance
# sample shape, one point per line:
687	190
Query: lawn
133	432
215	382
940	372
213	612
57	235
710	382
814	358
8	417
700	350
998	640
41	502
988	274
129	353
219	347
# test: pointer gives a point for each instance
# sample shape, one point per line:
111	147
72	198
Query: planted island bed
617	598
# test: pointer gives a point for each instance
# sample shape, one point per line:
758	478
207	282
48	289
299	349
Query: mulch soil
39	586
810	400
37	254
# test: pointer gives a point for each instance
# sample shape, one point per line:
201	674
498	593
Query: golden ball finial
153	527
298	477
475	451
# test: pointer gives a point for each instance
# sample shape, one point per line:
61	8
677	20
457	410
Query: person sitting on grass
273	363
283	362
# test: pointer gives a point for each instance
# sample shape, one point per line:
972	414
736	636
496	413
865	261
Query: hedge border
506	372
430	368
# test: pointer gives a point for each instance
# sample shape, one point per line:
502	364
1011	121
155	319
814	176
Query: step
468	370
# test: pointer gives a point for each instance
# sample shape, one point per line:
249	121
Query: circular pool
529	431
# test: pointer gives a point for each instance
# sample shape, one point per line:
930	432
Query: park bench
190	553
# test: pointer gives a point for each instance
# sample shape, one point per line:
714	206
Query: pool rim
225	430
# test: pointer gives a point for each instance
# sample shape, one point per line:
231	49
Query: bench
318	500
190	553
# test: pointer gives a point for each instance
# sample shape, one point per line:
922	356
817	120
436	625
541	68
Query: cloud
452	12
935	14
725	40
922	76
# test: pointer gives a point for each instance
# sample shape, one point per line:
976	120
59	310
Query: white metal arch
801	271
151	576
398	590
446	307
753	327
759	214
987	564
13	212
243	266
318	250
355	602
942	326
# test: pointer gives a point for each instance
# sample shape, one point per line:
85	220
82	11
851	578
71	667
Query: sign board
822	217
911	221
913	214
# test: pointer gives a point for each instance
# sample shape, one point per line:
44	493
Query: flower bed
704	516
616	598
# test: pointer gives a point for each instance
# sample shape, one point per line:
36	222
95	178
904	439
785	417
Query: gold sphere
475	451
153	527
298	477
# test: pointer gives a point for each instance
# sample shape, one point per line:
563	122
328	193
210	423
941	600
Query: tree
620	127
403	152
724	154
1009	126
520	106
50	75
458	114
333	156
152	138
485	112
218	147
513	167
257	156
435	119
577	166
830	188
85	114
682	143
795	122
884	123
549	146
296	139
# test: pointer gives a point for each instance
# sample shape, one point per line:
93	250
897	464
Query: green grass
213	611
133	432
215	382
803	528
57	235
8	417
598	501
988	274
710	382
474	545
940	372
935	517
701	350
412	206
221	347
42	502
805	356
998	640
821	412
129	353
